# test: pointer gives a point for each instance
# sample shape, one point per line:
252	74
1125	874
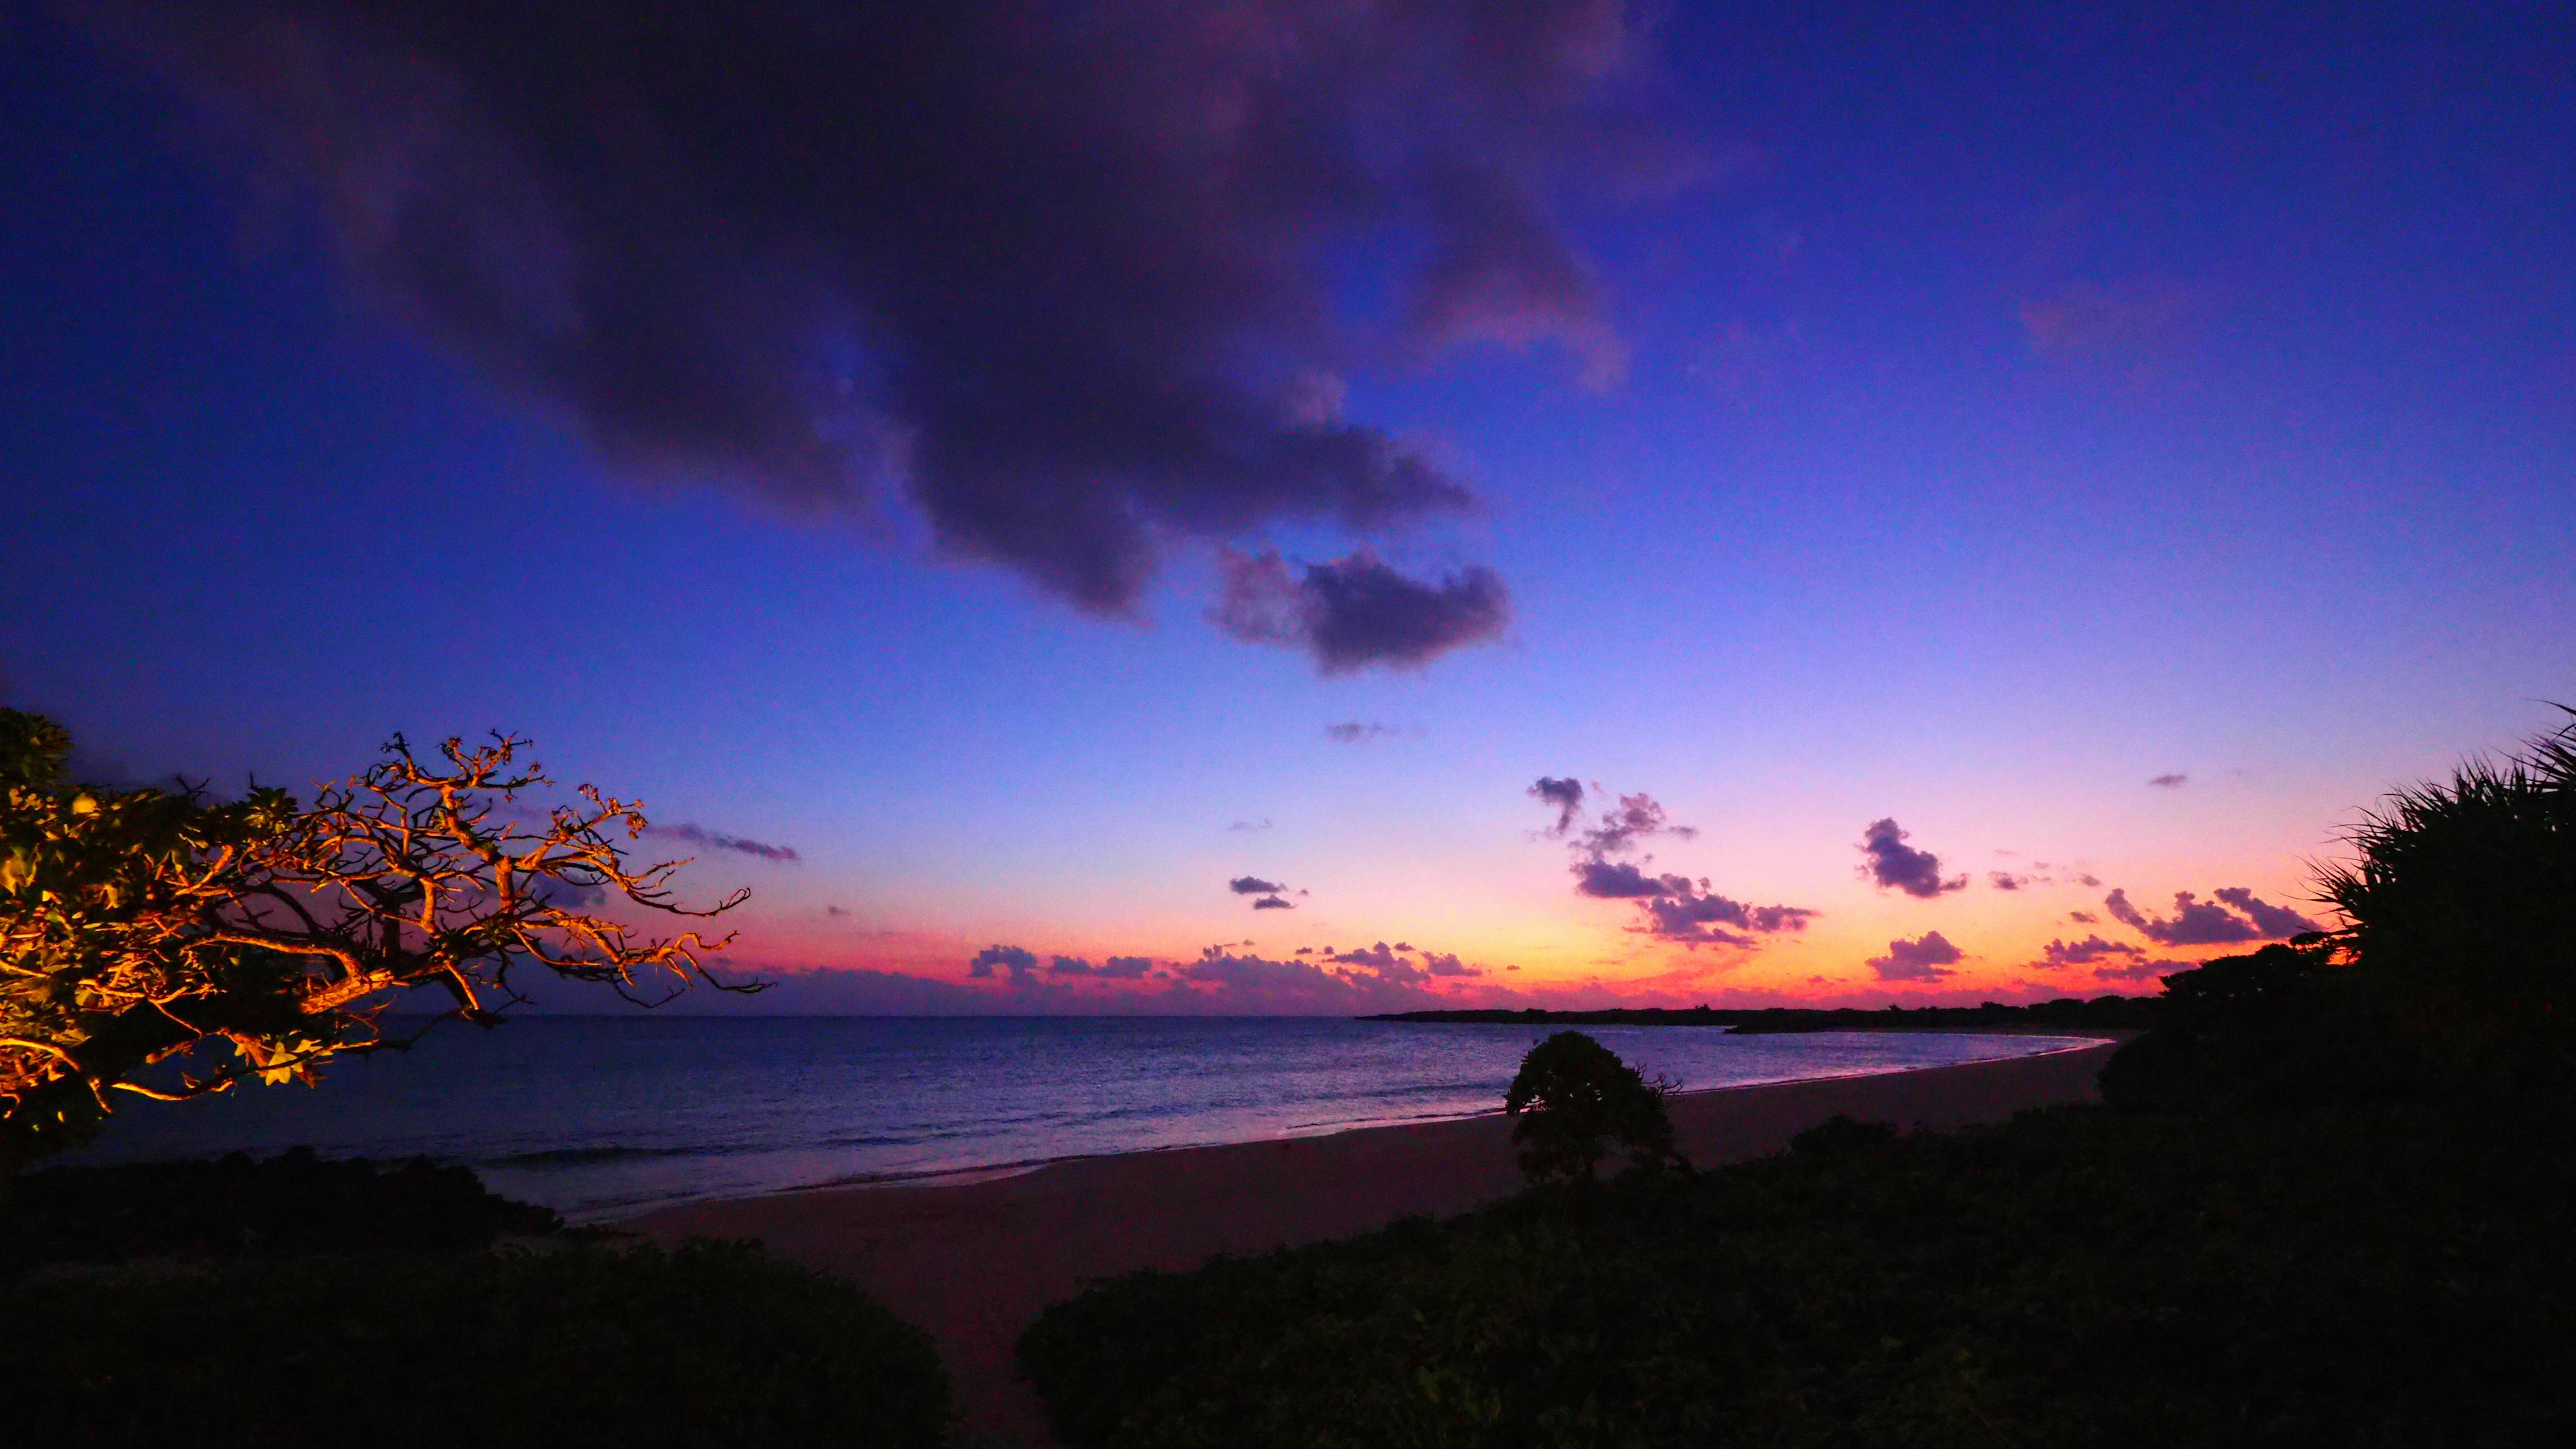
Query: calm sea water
603	1116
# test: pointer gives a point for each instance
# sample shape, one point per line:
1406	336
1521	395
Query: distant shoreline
2101	1013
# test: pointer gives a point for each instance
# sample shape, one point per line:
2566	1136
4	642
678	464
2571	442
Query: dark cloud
1071	278
1253	885
1637	817
1922	959
2089	881
1116	968
1249	825
1356	612
2196	922
1021	964
1273	903
1564	796
1700	917
2271	920
2004	880
2172	780
836	912
1438	963
2085	952
739	845
1670	907
2140	970
2083	918
1356	732
1894	864
1619	880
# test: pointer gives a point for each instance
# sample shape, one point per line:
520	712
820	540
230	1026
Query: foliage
1575	1100
235	1207
708	1345
2350	1275
2461	906
141	925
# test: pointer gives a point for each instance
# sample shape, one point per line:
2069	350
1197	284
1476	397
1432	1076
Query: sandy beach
974	1262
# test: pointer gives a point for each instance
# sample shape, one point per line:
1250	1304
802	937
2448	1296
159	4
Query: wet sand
975	1262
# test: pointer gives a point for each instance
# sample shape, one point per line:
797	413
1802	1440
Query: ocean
602	1117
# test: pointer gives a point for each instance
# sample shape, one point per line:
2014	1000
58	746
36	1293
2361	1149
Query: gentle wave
603	1116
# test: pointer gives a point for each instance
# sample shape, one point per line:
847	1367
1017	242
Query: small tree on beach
141	925
1575	1101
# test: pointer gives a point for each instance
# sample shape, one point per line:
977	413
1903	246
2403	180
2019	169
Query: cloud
1921	959
2089	881
1020	963
2171	780
1669	907
2141	970
1620	880
836	912
2083	918
2196	922
1116	968
1893	863
1247	826
2004	880
1355	732
1070	279
2083	953
739	845
1701	917
1637	817
1356	612
2127	326
1273	903
1253	885
1564	796
1448	964
2273	921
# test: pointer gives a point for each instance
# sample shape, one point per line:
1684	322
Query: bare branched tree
259	939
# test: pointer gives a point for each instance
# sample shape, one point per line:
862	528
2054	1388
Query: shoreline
974	1262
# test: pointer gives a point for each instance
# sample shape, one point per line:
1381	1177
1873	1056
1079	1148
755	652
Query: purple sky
1923	495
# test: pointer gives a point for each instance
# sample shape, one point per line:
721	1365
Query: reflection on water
602	1116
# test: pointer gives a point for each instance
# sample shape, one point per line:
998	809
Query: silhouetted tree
141	925
1575	1101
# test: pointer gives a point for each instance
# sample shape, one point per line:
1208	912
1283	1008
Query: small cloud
1922	959
2089	881
1358	732
1253	885
1021	964
2126	327
2084	918
1356	612
1448	964
2140	970
1564	796
1116	968
1894	864
835	912
739	845
1637	817
1247	826
2171	780
1273	903
2004	880
2084	952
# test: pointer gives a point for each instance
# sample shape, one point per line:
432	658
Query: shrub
712	1344
1575	1100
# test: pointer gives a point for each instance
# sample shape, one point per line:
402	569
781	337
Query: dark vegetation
164	944
254	940
2098	1013
2328	1200
299	1301
1573	1102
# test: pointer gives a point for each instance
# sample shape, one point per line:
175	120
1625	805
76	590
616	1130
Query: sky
1137	507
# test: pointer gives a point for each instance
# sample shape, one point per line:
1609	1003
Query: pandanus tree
161	943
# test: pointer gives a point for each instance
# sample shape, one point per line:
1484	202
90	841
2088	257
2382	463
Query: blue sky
2016	407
